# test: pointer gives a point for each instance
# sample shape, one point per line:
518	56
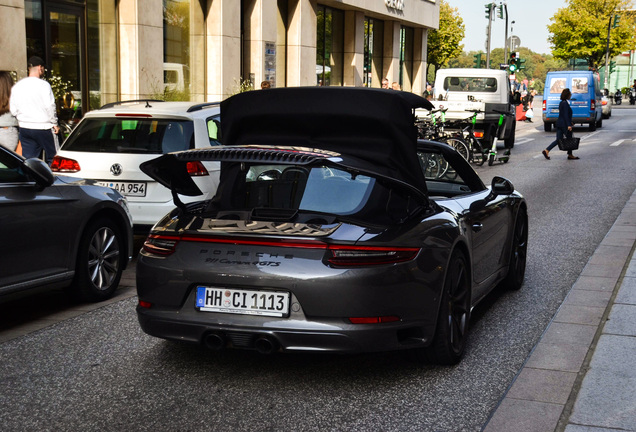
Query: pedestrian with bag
8	123
33	104
563	125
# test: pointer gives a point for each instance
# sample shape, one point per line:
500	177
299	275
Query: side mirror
501	186
40	172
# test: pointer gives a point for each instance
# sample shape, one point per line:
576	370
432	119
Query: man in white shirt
33	104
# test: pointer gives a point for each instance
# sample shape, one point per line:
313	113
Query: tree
580	30
445	43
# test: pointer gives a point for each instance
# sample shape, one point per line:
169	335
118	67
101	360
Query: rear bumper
334	337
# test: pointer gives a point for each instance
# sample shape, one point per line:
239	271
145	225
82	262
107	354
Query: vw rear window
127	135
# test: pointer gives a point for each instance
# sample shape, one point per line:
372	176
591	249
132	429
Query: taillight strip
307	244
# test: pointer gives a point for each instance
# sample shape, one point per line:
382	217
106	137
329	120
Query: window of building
373	46
330	46
176	50
407	40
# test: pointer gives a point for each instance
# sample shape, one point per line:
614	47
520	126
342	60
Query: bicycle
434	131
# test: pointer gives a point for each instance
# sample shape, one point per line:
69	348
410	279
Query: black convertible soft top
375	126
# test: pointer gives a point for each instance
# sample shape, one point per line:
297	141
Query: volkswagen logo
116	169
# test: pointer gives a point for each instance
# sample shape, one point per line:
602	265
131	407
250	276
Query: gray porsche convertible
333	229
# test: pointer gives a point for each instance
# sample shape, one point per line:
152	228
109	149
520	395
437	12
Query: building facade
102	51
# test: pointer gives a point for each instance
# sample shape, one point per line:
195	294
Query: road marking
616	143
584	137
523	140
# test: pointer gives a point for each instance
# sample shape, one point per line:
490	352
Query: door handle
477	227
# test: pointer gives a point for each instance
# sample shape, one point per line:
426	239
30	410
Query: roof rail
113	104
199	107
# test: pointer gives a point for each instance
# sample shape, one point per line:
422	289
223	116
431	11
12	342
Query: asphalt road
99	371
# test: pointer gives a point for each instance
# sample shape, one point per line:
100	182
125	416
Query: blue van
585	102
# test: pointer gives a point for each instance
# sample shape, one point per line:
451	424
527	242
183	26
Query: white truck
486	90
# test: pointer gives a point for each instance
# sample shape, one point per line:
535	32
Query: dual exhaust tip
262	344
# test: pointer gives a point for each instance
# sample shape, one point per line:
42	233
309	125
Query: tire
100	261
459	145
547	126
518	253
491	159
509	142
593	126
453	317
600	123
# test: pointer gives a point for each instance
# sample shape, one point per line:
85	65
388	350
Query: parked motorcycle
618	97
632	96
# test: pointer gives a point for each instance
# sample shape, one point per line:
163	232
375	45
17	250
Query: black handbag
568	144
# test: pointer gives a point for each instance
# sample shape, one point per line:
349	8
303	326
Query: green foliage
445	43
536	65
579	30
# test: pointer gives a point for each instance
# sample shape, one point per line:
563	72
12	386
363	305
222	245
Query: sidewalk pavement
581	375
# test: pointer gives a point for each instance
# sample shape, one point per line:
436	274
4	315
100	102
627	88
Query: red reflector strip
342	255
374	320
133	115
144	304
479	134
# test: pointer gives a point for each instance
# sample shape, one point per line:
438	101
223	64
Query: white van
460	90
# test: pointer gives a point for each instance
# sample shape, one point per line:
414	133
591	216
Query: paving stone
567	333
606	398
524	416
603	270
563	357
621	321
586	315
610	255
595	283
542	385
588	298
627	292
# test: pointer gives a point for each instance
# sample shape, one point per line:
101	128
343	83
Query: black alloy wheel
518	253
454	314
99	261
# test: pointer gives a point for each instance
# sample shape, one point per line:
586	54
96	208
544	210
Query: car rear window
470	84
316	189
126	135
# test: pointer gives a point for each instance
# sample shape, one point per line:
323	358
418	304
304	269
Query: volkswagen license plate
246	302
127	188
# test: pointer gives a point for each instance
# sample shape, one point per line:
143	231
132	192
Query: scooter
632	96
618	97
492	155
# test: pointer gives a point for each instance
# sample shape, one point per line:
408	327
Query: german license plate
127	188
554	110
245	302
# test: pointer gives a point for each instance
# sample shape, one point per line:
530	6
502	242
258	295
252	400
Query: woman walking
563	124
8	123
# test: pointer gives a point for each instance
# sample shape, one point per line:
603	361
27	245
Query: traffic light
612	66
477	60
512	63
521	63
617	20
488	11
500	11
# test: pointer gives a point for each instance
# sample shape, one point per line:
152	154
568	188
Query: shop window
183	62
373	47
407	39
330	46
